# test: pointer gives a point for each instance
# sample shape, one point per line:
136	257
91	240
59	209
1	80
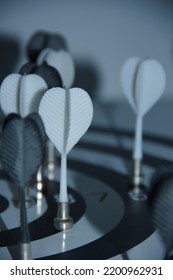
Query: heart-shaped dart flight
22	152
67	114
49	74
21	94
62	61
143	82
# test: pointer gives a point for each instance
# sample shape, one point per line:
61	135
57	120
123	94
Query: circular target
108	224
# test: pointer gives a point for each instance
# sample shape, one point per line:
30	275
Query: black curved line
152	161
129	133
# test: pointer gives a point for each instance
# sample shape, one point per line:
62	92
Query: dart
21	94
143	82
67	114
21	155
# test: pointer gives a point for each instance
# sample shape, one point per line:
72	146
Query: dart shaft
25	251
137	152
51	160
25	238
63	197
50	151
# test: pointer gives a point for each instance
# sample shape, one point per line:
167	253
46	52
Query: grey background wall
101	35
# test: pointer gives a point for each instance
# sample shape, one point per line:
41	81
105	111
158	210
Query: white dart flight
21	94
67	114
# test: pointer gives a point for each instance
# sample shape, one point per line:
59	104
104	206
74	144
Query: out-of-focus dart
143	82
67	114
21	154
52	49
21	94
